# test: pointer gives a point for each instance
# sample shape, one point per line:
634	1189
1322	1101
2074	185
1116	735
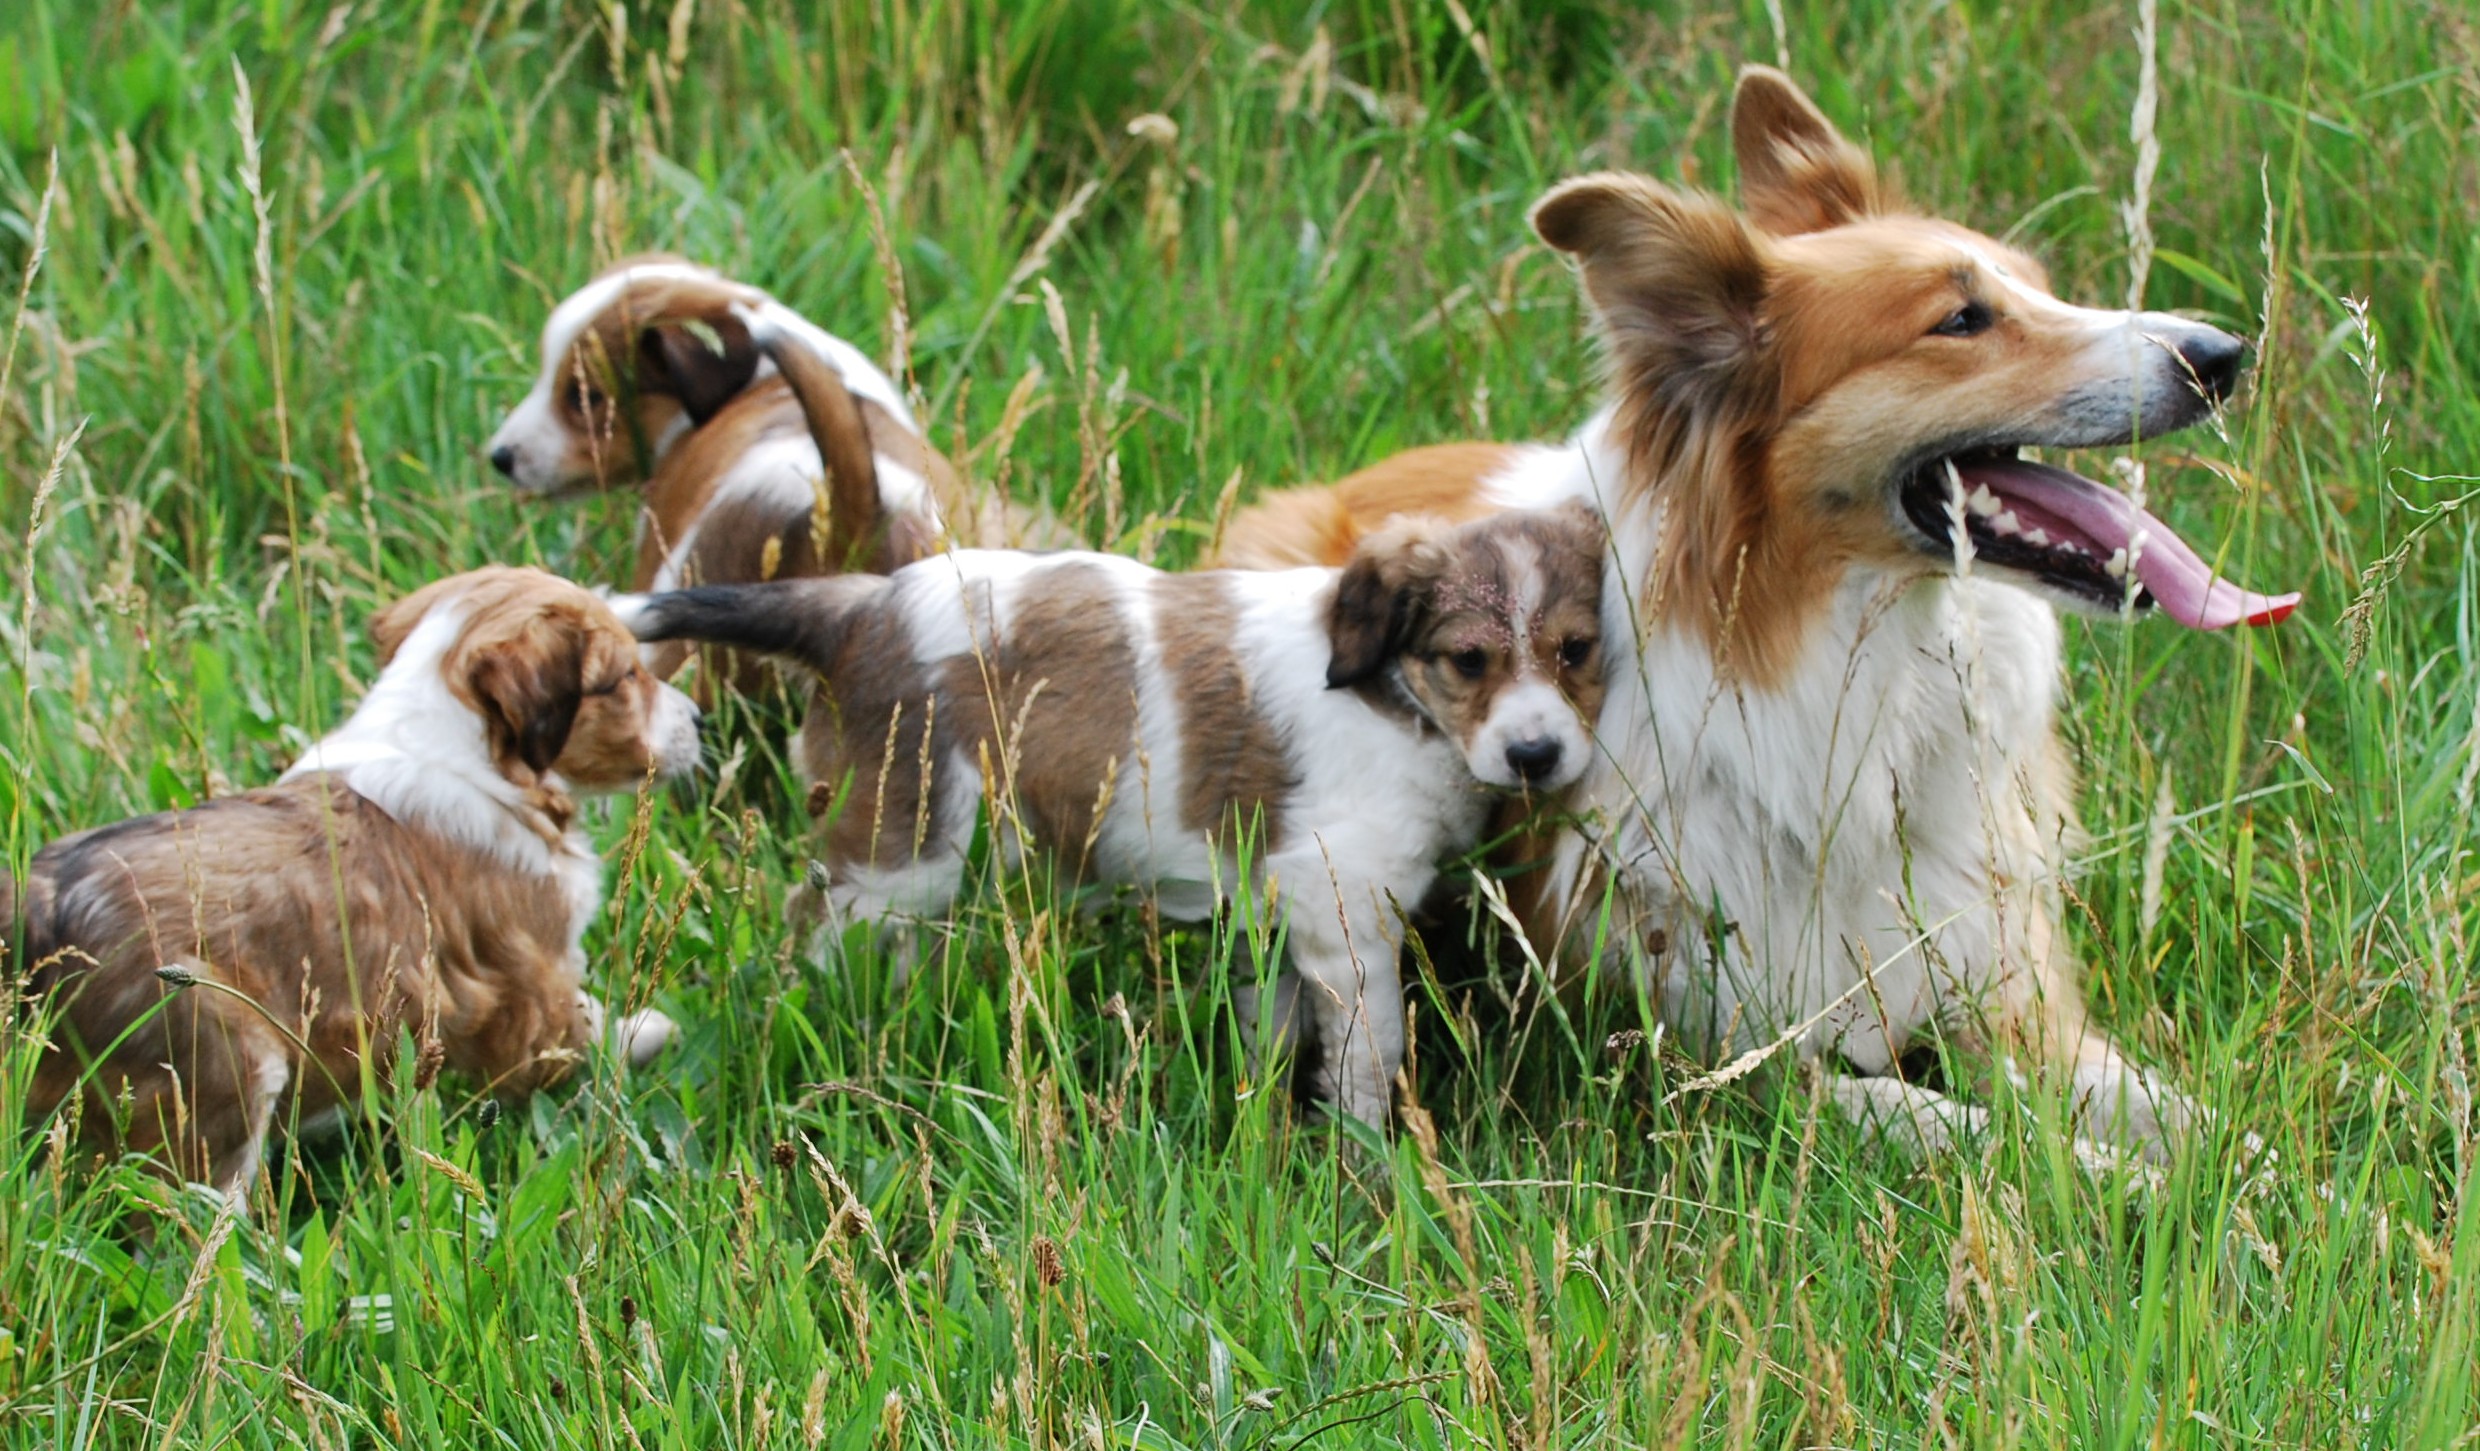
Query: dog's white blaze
533	427
1532	709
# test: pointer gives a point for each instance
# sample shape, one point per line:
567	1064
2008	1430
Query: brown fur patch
1050	711
1238	772
863	742
1058	701
1322	525
338	921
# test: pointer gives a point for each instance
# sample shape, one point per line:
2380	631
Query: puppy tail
853	535
807	620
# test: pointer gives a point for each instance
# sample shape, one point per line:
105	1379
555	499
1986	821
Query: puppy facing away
1351	727
419	868
1834	576
767	448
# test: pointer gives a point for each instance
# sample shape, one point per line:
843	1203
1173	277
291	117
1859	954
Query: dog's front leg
1354	995
1921	1122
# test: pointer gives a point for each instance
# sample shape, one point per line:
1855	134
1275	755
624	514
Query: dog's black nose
2215	358
1535	759
504	459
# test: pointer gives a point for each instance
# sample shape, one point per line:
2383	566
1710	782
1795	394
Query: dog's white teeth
2005	522
2117	567
1982	502
2036	537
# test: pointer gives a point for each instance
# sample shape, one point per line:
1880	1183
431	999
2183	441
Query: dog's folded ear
529	687
1796	172
1678	282
703	361
1381	598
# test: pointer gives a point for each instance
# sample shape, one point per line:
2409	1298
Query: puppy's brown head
642	354
1494	631
552	674
1825	382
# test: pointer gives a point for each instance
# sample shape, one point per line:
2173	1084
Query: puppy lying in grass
1349	727
417	869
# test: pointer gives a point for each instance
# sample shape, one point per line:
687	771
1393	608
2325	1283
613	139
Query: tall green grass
1033	1198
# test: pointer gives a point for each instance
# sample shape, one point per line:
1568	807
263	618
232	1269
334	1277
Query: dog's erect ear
529	687
704	362
1381	598
1677	279
1796	172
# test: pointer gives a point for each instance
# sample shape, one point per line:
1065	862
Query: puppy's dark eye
584	396
1969	320
1470	663
1575	650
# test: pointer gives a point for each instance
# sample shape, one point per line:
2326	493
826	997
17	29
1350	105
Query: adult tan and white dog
767	447
1830	787
1353	727
418	869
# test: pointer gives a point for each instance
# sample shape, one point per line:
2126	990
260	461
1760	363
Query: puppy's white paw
636	1039
641	1037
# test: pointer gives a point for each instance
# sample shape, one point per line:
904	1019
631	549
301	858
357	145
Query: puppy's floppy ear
1678	283
703	361
1381	598
1796	172
529	686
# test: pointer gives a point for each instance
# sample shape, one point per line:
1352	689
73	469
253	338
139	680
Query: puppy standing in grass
417	869
768	448
1351	726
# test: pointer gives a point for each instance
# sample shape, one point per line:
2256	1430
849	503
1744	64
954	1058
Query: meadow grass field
283	266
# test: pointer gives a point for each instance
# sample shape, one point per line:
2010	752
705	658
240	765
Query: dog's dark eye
584	396
1470	663
1969	320
1575	650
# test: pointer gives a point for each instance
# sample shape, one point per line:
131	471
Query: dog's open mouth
2079	538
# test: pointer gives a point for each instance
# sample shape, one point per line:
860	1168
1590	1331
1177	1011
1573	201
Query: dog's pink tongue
2176	576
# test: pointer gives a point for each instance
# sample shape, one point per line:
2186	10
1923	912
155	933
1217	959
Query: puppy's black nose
1533	760
2215	357
504	459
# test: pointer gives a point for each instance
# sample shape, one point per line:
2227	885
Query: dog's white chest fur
1851	853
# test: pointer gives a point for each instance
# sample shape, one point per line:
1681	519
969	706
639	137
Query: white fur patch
1846	821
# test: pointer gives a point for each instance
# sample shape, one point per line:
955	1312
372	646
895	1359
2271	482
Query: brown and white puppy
1351	727
418	869
767	447
1832	719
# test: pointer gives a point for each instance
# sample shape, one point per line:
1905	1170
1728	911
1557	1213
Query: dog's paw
641	1037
